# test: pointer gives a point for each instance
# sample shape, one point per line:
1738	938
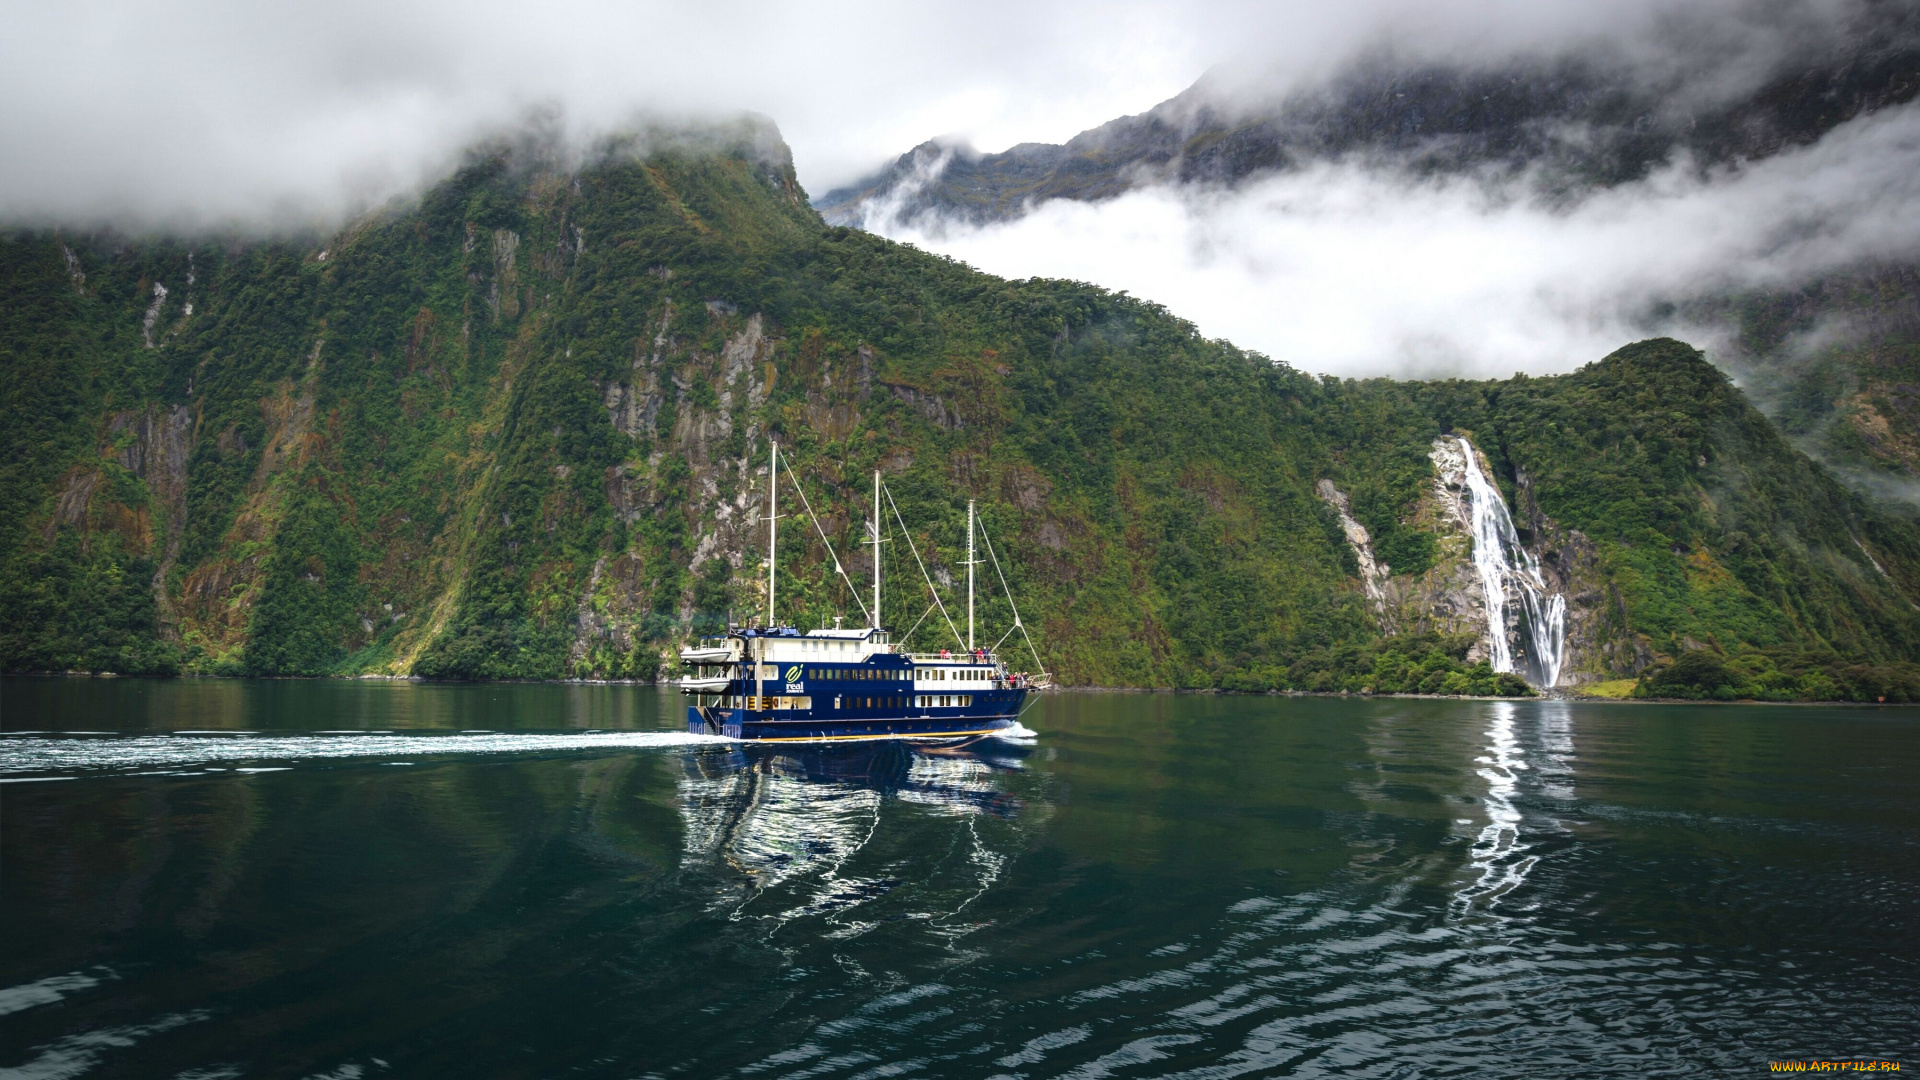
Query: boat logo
793	673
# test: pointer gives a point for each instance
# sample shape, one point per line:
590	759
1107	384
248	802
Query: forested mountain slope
520	430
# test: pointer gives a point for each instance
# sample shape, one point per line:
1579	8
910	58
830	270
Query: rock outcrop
1375	579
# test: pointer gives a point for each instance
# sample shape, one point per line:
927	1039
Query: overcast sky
211	111
268	114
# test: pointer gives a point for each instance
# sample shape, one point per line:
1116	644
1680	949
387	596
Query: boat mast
773	525
876	549
773	535
969	575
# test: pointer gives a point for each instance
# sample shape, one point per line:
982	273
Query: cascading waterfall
1508	568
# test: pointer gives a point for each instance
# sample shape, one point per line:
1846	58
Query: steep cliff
519	429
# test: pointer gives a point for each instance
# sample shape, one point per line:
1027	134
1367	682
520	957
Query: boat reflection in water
798	831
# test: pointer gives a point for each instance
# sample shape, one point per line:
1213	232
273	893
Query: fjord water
1156	885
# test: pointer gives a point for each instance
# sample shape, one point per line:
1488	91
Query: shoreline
1562	696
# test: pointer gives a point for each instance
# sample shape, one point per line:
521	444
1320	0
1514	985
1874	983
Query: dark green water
1155	886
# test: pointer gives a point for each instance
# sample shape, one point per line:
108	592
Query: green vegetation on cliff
520	428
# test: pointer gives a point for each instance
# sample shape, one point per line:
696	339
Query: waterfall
1509	571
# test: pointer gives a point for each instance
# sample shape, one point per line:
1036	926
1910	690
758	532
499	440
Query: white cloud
208	111
1353	269
212	110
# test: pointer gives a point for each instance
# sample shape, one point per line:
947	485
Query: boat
777	683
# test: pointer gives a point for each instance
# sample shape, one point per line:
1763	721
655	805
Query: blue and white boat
775	683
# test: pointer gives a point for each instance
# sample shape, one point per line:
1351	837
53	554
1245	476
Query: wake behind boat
776	683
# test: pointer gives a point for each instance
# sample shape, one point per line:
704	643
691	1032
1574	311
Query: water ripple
42	754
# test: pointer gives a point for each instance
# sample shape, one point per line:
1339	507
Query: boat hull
770	727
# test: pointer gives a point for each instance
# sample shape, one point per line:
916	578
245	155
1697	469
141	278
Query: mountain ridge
1579	122
514	430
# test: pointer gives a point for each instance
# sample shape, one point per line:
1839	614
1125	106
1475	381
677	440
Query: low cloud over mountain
1356	268
1431	207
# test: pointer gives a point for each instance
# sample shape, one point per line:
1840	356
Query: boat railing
961	657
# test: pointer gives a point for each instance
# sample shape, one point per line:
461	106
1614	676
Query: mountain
519	428
1835	359
1577	121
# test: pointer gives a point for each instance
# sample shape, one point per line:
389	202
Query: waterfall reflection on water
1498	855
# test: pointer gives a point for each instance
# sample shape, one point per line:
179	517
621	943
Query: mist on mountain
1356	267
1424	205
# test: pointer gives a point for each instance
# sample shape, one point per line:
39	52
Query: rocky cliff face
1450	597
521	430
1376	580
1601	643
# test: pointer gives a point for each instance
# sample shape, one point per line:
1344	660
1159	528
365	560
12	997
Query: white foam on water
57	755
1018	731
13	999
